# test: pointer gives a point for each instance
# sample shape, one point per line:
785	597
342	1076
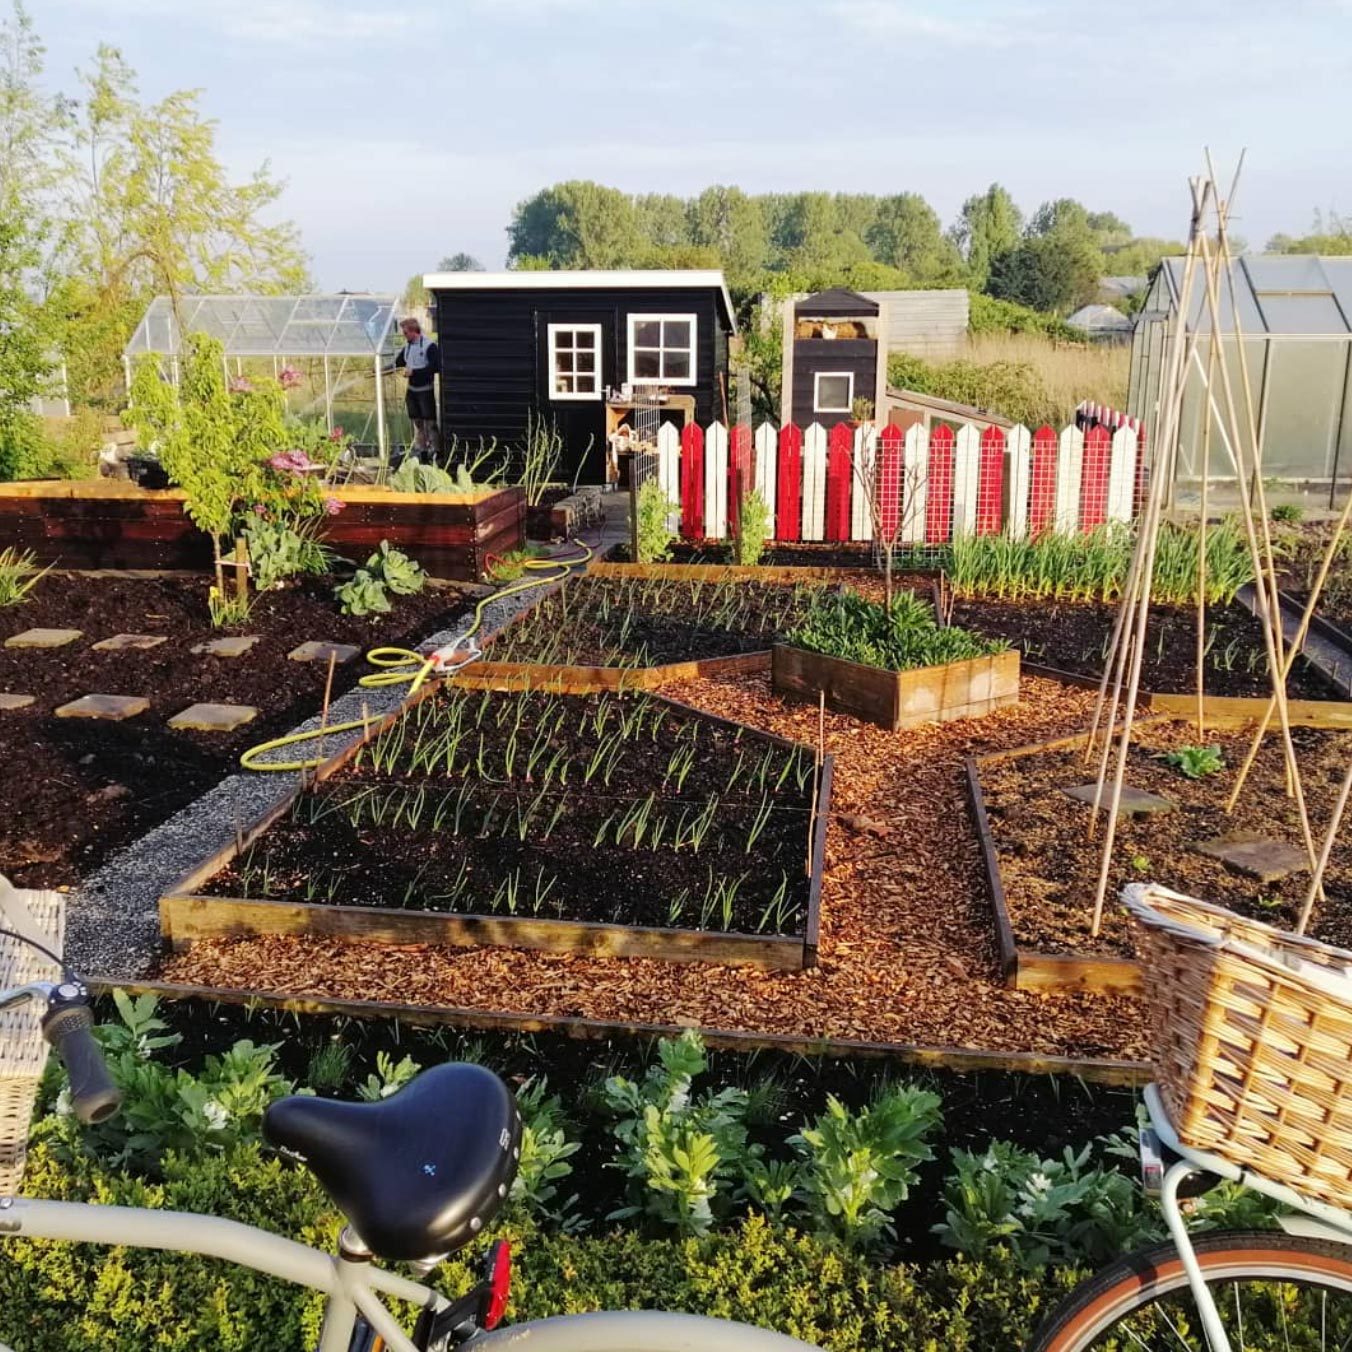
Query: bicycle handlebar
68	1026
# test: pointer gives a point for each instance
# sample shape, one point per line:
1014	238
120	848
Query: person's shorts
421	405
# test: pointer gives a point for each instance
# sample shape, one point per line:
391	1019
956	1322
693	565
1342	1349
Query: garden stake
1317	881
1201	553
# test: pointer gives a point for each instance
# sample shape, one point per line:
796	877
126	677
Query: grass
1068	372
19	574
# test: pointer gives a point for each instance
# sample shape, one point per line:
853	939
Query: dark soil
76	789
643	622
486	837
1074	636
1050	870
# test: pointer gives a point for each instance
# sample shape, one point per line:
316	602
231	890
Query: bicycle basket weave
1252	1035
23	1049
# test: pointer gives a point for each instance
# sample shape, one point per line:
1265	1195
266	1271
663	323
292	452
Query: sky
408	131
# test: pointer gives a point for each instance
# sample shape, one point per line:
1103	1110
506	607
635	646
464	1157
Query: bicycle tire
1138	1281
635	1331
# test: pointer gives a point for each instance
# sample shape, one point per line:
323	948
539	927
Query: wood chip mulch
907	948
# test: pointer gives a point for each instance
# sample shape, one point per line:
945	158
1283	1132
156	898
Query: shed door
576	361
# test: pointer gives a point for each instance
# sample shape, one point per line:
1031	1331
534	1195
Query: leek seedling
759	823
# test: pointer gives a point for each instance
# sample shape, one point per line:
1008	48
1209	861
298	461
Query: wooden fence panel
1020	467
915	486
814	483
889	450
1070	456
669	471
767	463
692	481
739	472
990	483
864	488
716	482
789	473
1042	481
939	495
839	473
1123	475
1095	467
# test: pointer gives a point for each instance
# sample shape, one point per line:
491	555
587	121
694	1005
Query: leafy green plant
1287	512
859	1166
545	1152
755	525
228	609
390	1075
328	1067
387	570
279	551
655	512
541	455
1195	762
413	476
845	625
19	574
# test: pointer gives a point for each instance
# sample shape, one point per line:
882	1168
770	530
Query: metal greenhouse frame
1292	316
340	328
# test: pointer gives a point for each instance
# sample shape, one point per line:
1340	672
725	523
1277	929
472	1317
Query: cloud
905	19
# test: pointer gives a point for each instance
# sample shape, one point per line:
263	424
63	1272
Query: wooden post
241	568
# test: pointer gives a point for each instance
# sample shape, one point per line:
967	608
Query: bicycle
1241	1290
417	1176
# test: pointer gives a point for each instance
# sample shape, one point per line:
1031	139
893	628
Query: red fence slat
1098	459
1042	481
939	486
990	483
789	485
692	481
839	473
891	459
740	474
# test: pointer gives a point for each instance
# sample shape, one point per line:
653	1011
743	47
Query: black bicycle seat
417	1174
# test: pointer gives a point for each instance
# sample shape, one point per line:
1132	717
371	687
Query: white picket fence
925	486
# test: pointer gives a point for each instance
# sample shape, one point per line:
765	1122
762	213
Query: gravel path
112	926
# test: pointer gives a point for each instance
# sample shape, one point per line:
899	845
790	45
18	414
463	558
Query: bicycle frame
1318	1220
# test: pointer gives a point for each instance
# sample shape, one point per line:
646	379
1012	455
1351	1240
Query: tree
988	227
460	262
906	234
1058	264
661	220
727	220
577	224
1332	237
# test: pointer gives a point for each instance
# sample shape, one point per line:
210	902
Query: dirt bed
75	789
907	944
1074	636
1050	870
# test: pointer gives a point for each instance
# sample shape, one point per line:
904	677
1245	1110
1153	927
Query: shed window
833	392
574	361
662	349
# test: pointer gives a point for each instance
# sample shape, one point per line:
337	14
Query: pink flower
241	385
259	509
294	462
337	434
288	377
332	506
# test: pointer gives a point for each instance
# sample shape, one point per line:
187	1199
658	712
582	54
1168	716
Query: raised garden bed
1043	869
75	789
106	523
620	826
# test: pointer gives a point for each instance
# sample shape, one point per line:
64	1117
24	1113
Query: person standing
420	360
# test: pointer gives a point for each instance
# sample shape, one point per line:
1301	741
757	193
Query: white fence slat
915	474
1122	474
1069	471
814	482
669	471
1018	461
716	481
767	463
966	478
862	488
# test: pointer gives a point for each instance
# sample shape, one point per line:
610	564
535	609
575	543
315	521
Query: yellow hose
402	666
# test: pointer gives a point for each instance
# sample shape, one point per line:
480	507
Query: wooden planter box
900	699
106	523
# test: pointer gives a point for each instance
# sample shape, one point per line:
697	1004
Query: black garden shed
580	347
835	353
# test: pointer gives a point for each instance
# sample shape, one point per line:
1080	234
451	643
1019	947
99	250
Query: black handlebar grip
68	1027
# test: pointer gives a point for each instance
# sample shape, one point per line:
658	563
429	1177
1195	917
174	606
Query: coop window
574	361
662	349
833	392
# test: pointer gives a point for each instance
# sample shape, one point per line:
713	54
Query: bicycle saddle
417	1174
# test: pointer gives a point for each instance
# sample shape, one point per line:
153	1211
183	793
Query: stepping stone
15	701
1135	802
1267	860
43	638
225	647
319	651
114	707
213	717
121	642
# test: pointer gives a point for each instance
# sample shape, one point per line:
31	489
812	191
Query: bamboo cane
1201	555
1317	881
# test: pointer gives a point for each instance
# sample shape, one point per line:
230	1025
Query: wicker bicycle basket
1251	1030
23	1049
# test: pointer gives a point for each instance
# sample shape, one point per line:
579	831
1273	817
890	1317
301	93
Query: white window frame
590	396
817	406
693	320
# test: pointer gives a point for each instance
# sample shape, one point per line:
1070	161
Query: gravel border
113	919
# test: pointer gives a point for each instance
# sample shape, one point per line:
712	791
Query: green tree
727	220
988	227
906	234
661	219
1058	264
577	224
1331	236
460	262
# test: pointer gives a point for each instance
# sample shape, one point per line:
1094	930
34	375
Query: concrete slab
226	647
214	717
123	642
43	638
15	701
1135	802
114	707
318	651
1267	860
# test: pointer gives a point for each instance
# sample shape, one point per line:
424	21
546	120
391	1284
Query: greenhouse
333	349
1292	314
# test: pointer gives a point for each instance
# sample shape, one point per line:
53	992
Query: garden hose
403	666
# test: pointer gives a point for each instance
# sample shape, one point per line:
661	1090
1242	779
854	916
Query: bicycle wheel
635	1331
1275	1293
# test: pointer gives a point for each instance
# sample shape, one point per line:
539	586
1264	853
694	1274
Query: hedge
73	1298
